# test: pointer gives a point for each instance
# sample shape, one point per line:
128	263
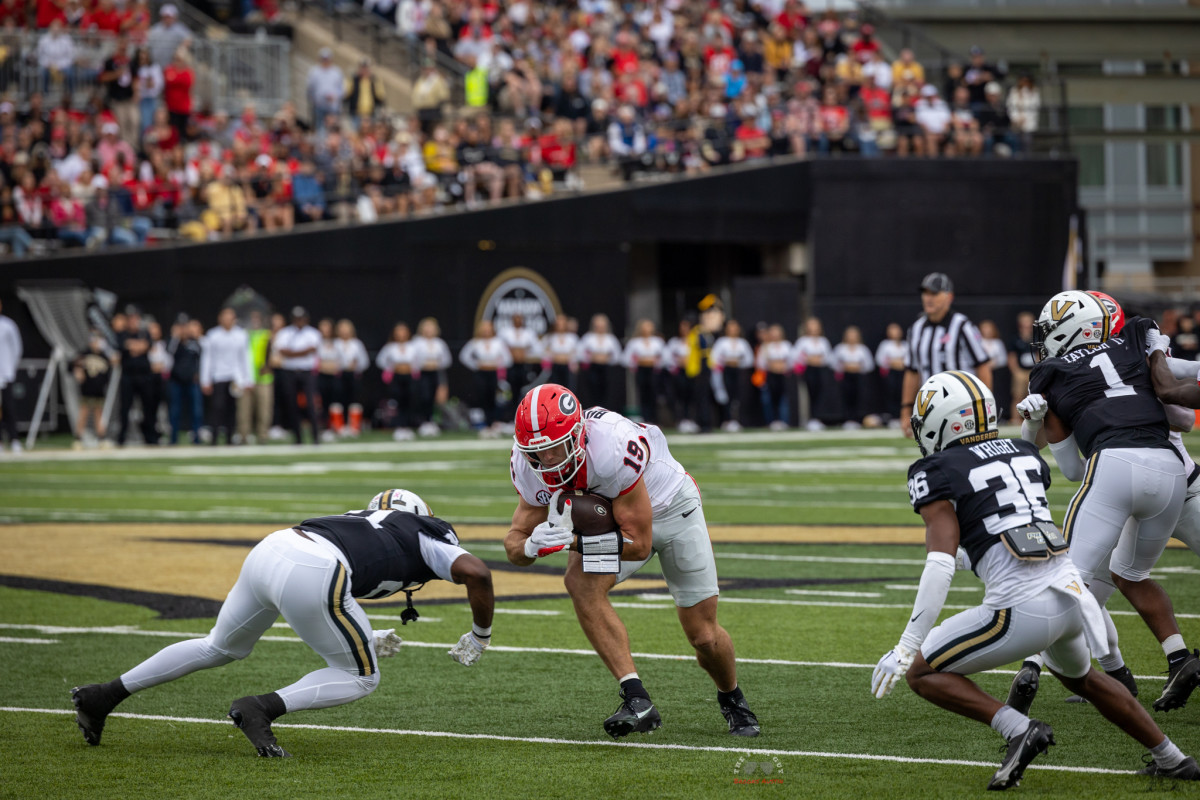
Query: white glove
553	535
890	669
387	643
469	648
1157	340
961	560
1033	408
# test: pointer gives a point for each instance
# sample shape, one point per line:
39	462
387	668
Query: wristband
906	405
482	633
602	564
610	543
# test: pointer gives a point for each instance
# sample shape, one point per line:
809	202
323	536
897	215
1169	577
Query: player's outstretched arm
525	519
468	570
634	517
1169	388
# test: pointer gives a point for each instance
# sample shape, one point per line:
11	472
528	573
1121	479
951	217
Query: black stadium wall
870	230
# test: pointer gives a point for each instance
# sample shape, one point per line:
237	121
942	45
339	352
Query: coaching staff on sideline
940	339
297	346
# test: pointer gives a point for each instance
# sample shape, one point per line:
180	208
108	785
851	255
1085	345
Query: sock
273	704
1175	649
730	698
116	690
1035	662
632	687
1167	755
1009	722
1113	662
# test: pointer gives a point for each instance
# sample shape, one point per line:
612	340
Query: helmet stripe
976	398
533	410
1104	331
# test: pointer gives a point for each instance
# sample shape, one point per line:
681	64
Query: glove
555	534
387	643
890	669
1157	340
469	648
1033	408
961	560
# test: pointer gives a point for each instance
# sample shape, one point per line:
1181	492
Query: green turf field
809	620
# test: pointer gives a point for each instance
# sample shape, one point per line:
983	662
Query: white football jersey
619	453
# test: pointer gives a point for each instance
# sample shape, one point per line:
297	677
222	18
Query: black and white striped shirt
953	343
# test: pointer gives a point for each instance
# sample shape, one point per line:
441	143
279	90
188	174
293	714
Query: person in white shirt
775	359
297	348
730	355
488	357
10	355
1024	104
598	350
434	359
889	357
324	87
352	360
810	357
998	354
400	367
523	344
558	351
852	363
675	359
644	357
56	57
933	115
224	372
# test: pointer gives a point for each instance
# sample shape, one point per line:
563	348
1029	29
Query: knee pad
218	657
368	683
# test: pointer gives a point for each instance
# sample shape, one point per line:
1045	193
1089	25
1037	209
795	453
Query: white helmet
1071	319
952	407
400	500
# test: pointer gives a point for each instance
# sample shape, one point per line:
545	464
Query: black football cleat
1122	676
634	715
1019	752
249	715
1024	687
741	719
1181	680
92	707
1186	770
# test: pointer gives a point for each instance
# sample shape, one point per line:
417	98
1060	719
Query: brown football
591	514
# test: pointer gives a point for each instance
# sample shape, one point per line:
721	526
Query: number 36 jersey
619	453
1104	393
994	486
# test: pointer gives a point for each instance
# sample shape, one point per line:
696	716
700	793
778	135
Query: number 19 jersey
1104	392
619	453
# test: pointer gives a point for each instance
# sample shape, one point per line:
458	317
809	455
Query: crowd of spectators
110	146
262	377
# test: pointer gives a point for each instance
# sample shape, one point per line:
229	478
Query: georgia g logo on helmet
549	431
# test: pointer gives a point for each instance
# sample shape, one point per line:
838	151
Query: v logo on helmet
1060	307
923	400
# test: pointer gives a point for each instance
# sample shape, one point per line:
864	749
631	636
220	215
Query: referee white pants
306	581
1142	486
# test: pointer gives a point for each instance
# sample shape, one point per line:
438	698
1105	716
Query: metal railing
229	72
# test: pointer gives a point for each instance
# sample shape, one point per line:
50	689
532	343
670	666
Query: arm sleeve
1180	418
1030	430
931	596
1066	454
384	359
1183	369
467	355
206	366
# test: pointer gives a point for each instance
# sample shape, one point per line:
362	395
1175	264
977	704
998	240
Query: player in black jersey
988	496
312	574
1093	392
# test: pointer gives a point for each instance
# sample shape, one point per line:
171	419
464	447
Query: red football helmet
1115	314
549	427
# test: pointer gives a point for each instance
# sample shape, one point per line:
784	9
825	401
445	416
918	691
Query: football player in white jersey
656	509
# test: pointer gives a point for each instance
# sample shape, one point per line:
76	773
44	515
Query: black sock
730	698
633	688
1177	657
273	704
115	690
1034	665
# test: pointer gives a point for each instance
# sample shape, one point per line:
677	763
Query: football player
656	509
1187	529
988	496
313	574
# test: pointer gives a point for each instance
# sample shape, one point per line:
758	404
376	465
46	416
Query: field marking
589	743
820	593
895	562
16	640
912	587
616	604
530	612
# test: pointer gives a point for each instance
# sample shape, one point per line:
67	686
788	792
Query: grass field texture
810	608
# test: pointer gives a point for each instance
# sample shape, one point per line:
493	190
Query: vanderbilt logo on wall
519	291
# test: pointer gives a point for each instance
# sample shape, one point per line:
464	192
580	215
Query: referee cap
937	282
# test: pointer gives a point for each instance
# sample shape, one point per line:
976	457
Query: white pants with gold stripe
306	581
983	638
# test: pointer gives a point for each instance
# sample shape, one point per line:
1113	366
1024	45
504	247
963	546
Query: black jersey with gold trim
382	548
1104	392
995	486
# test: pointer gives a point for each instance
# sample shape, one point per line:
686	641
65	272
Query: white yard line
585	743
820	593
16	640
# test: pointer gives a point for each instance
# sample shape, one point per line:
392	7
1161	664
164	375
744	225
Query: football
591	514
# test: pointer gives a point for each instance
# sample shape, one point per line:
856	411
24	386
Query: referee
939	340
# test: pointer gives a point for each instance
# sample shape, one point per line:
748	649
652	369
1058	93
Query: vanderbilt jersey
1104	392
389	551
620	452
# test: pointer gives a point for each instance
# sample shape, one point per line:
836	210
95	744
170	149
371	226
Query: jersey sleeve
1039	378
971	344
526	482
928	483
440	556
1137	329
616	456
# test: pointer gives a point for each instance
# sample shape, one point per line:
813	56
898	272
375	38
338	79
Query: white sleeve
384	359
747	354
245	368
206	365
361	359
528	485
868	361
444	358
629	357
1183	369
1066	454
505	355
1180	418
467	356
439	556
931	597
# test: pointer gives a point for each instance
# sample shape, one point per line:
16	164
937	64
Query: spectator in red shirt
718	59
178	78
558	149
136	20
161	134
866	45
624	55
794	16
877	106
835	122
104	17
750	140
50	10
14	10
